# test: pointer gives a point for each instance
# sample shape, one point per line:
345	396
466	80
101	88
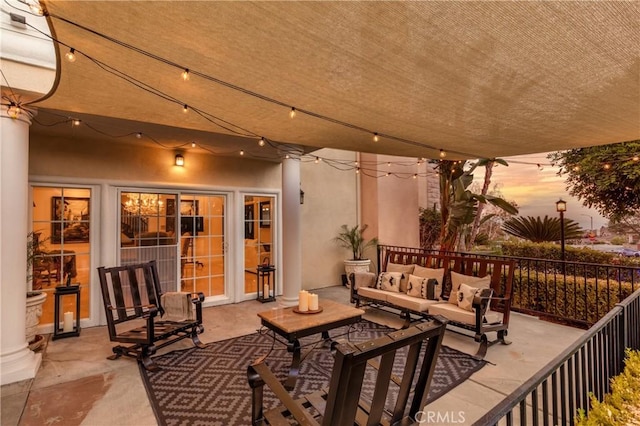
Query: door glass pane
148	232
61	243
202	243
258	237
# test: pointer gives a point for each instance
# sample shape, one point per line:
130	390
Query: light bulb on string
576	168
185	74
75	122
415	176
357	170
540	168
242	152
71	55
139	135
287	156
636	158
389	164
317	160
607	166
35	8
375	137
443	154
388	174
185	108
292	113
14	110
356	164
261	142
193	144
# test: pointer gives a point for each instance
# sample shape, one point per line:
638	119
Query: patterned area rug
209	386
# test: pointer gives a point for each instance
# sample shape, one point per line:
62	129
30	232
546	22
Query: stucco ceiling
476	79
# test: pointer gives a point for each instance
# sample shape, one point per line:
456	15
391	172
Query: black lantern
266	283
64	296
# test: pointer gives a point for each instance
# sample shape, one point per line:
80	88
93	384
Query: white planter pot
351	266
34	312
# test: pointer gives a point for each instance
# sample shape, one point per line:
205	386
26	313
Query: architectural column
17	361
291	240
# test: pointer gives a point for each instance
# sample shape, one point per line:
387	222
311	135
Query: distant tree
605	177
540	230
625	225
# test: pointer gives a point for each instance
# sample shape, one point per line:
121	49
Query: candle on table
313	302
303	301
67	324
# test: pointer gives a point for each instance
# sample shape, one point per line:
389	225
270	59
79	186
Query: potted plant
352	238
35	299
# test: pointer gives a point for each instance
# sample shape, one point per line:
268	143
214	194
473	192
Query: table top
289	322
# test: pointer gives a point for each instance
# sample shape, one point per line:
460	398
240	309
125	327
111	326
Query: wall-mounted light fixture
301	196
179	160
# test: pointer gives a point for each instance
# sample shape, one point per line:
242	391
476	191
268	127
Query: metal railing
554	395
570	292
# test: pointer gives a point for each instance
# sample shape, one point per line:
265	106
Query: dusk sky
537	190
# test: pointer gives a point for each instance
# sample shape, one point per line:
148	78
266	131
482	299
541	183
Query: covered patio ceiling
475	79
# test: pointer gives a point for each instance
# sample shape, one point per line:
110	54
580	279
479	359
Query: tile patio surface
77	385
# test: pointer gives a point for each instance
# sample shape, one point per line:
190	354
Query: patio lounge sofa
472	293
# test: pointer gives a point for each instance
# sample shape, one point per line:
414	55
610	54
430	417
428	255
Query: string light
389	164
185	74
292	113
388	174
355	163
636	158
75	122
35	8
261	142
139	135
540	168
193	144
242	152
287	156
442	153
606	166
185	109
375	137
358	170
576	168
14	110
415	176
317	160
71	55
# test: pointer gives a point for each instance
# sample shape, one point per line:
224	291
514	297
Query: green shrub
617	241
574	297
552	251
622	405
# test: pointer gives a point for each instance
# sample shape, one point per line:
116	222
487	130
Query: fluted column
17	362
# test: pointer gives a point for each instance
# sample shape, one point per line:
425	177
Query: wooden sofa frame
501	271
342	403
132	294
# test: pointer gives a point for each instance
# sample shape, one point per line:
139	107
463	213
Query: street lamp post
561	207
591	233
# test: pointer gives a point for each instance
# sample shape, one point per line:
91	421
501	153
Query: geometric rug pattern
209	386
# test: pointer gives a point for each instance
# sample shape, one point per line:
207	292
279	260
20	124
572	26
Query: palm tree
540	230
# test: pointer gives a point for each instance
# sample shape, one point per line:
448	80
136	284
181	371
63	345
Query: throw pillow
389	281
438	274
406	271
458	279
465	297
416	286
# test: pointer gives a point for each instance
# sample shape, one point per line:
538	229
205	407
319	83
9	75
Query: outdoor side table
70	323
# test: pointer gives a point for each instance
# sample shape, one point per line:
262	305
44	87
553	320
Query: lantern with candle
266	283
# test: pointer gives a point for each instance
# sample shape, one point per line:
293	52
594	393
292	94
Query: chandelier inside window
143	204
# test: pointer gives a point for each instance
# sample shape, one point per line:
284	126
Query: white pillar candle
313	302
303	301
265	292
67	325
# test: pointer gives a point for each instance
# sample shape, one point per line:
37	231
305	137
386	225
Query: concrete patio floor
77	385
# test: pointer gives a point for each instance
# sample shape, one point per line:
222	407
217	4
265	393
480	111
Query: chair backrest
129	291
396	378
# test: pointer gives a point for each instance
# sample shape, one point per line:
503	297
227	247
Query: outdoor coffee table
293	326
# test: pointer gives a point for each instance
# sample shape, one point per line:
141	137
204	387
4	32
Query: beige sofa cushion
457	279
438	274
406	271
465	297
389	281
454	313
374	293
416	304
